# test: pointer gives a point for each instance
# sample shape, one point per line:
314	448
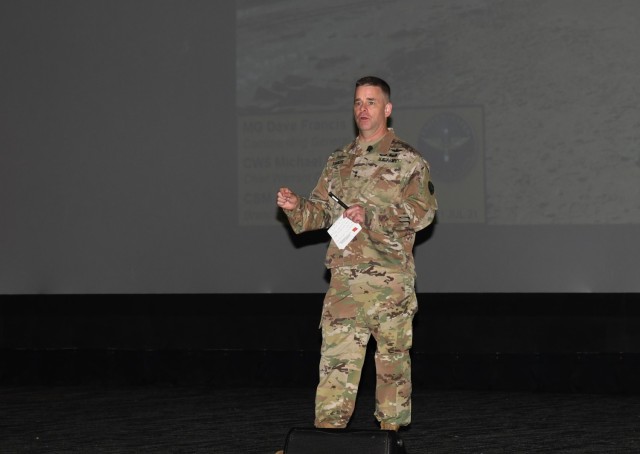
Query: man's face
370	110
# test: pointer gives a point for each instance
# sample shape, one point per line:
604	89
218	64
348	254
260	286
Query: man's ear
387	109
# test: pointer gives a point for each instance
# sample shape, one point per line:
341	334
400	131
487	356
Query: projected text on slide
283	150
291	150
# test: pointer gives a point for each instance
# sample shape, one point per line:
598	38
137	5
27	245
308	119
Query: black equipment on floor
339	441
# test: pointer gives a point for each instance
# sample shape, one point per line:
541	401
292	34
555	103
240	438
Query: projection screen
143	142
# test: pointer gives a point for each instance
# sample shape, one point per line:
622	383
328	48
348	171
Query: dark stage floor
159	419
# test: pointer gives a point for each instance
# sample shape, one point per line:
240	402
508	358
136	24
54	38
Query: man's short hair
376	82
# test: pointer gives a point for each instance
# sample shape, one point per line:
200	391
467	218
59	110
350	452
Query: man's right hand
287	199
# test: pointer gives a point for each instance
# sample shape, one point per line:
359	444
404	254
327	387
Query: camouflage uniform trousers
360	302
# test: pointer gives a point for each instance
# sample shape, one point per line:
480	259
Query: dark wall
579	342
445	323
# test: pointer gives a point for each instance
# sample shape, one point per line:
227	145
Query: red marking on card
355	229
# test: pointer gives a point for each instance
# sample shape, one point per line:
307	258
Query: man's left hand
355	213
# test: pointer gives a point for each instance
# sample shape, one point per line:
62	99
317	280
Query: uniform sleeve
313	213
414	211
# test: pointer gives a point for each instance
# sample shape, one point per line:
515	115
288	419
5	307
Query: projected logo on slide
451	139
449	143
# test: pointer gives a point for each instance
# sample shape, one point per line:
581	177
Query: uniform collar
381	145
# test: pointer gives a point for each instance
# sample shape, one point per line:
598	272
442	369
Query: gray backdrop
142	142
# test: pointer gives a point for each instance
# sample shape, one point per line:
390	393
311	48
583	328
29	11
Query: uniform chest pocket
385	186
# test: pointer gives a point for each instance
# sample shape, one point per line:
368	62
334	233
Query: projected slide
525	111
143	142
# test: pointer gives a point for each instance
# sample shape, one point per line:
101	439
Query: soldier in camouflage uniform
386	185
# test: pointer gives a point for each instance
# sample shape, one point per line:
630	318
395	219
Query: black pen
337	199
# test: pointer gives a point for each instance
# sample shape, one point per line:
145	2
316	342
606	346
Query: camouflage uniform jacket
392	183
